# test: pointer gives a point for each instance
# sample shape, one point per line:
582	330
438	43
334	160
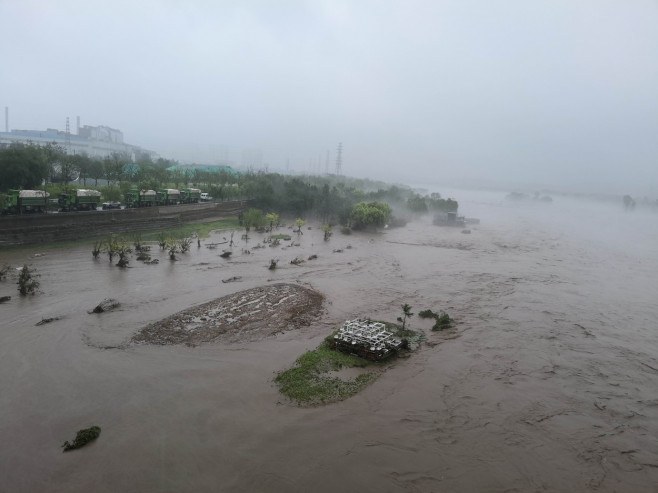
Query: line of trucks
80	199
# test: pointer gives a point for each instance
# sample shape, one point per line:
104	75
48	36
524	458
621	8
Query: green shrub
27	284
308	383
441	320
82	437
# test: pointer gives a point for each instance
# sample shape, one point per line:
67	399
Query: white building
97	141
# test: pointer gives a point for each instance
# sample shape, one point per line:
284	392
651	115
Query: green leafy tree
417	204
176	176
96	170
298	224
54	154
444	205
370	215
117	166
22	166
82	163
273	219
253	218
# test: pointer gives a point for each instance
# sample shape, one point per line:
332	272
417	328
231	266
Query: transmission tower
339	159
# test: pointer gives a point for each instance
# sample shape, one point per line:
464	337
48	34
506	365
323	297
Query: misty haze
328	246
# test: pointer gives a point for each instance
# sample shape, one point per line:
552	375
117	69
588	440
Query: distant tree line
332	199
26	166
329	199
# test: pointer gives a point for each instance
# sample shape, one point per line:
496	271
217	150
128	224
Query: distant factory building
100	141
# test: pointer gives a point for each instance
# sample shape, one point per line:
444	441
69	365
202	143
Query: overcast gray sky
561	93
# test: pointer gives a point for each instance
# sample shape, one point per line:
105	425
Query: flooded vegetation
544	376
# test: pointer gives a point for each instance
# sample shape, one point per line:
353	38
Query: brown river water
549	382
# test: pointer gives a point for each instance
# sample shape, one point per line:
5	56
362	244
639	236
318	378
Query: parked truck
79	199
190	196
24	201
167	196
140	198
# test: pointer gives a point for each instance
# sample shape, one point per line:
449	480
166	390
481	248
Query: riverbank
30	229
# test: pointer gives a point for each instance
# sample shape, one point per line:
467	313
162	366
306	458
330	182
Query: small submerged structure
452	219
449	219
367	339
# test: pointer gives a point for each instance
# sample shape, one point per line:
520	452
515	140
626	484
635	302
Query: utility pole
339	159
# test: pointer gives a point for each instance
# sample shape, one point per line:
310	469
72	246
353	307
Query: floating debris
106	305
231	279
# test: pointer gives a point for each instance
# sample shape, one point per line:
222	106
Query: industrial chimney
77	125
6	118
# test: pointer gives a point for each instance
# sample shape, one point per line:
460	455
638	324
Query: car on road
111	205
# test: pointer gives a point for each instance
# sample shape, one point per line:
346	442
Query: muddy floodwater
548	382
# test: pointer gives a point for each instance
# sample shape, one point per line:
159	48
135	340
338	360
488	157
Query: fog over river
548	382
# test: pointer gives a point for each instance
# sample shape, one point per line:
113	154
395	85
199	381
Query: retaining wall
40	228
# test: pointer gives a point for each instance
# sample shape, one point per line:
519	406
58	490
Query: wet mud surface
547	383
246	316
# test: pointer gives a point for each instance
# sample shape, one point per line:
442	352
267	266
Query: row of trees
329	199
332	201
27	166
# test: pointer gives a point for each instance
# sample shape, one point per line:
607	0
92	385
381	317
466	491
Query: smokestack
77	125
6	118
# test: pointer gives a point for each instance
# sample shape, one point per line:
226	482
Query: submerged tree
97	248
184	244
406	313
119	246
327	229
27	284
441	320
253	218
172	246
4	270
162	240
273	220
298	224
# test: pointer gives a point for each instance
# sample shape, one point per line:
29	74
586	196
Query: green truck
140	198
190	196
168	196
24	201
79	199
